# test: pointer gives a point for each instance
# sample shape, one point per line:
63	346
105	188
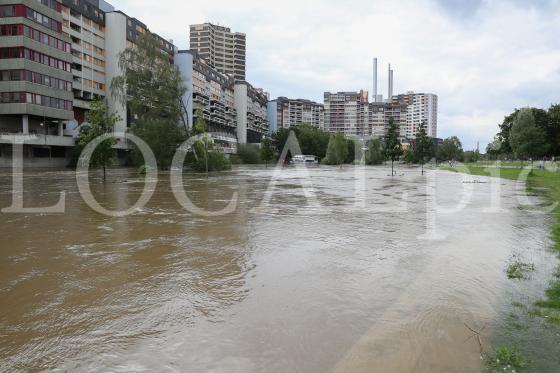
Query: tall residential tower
221	48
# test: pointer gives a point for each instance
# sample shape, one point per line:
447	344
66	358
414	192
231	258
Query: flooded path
349	280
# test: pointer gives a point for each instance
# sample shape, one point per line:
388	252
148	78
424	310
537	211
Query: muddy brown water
346	281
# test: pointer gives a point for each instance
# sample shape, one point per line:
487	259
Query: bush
374	154
217	161
249	154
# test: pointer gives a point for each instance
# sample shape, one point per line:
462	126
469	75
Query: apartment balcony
37	139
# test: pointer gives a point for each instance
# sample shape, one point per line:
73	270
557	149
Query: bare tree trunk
104	174
392	167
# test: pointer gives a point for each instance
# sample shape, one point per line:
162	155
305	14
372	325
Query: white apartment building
286	113
211	93
251	108
422	110
221	48
346	112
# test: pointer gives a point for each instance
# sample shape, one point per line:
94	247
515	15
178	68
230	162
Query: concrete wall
114	45
240	100
272	116
184	61
29	161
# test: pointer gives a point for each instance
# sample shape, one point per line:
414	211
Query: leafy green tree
374	154
505	130
152	89
249	153
409	156
494	149
351	154
526	138
393	148
267	150
200	122
312	140
99	123
471	156
554	137
425	148
208	161
451	150
337	150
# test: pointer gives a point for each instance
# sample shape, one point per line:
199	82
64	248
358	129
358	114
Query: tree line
528	134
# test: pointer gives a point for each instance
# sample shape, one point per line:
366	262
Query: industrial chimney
375	79
390	88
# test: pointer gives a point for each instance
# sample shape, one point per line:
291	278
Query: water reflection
340	285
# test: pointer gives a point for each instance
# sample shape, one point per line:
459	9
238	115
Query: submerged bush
217	161
518	270
505	360
249	153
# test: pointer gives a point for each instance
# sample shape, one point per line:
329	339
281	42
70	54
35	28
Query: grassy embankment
545	184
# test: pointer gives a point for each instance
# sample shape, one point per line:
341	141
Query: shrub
217	161
249	153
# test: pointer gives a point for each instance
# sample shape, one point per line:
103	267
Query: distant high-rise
220	48
346	112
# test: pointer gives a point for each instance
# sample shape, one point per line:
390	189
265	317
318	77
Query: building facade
286	113
346	112
36	82
422	110
251	108
210	94
84	24
221	48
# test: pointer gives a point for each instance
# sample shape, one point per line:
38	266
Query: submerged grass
545	184
517	270
505	359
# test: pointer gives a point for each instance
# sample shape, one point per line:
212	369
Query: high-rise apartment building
251	108
211	94
35	82
84	23
422	110
220	48
123	32
286	113
346	112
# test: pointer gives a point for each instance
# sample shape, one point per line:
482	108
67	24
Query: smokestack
390	90
375	79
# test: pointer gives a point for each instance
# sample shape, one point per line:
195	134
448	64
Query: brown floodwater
336	272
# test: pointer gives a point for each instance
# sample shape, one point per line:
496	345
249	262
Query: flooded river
325	270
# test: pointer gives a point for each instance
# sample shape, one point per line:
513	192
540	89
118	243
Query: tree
267	150
312	140
208	161
152	89
527	140
351	154
451	150
424	147
393	148
337	150
249	153
200	129
409	157
200	123
471	156
554	117
374	154
494	149
99	123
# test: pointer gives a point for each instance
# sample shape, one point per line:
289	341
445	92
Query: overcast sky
482	58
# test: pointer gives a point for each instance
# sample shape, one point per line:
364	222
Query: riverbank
538	321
